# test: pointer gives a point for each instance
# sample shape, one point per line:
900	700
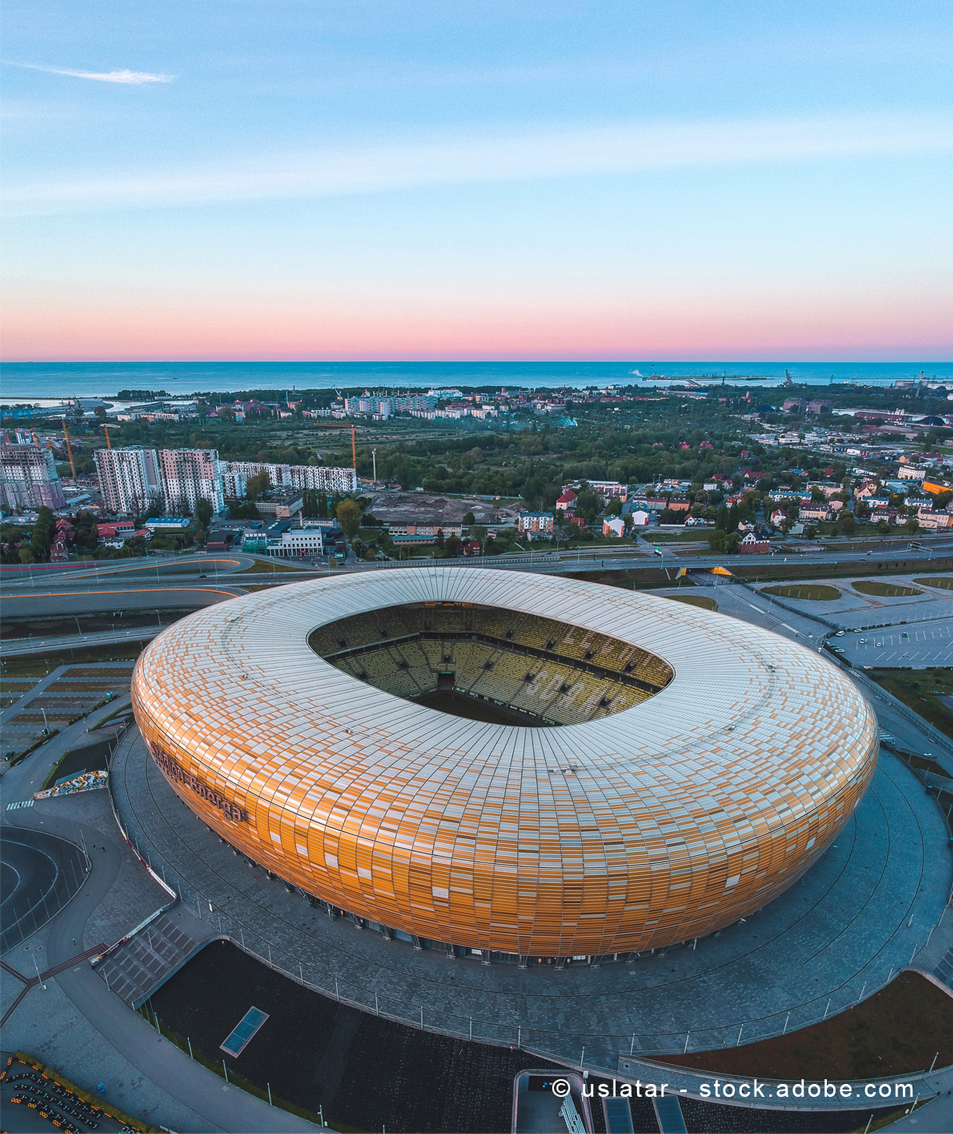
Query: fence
597	1051
28	914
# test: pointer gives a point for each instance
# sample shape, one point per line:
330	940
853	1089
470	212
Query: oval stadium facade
512	765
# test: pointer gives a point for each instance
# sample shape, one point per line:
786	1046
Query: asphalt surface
40	874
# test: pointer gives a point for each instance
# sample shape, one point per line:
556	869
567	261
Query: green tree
203	511
42	536
451	547
469	520
348	514
846	524
911	524
257	486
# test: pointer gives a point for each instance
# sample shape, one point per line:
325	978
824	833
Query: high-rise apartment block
28	476
173	480
129	480
189	475
317	478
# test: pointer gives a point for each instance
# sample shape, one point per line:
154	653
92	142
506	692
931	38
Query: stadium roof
658	823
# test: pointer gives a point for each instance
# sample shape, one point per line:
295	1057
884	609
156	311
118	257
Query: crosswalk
19	803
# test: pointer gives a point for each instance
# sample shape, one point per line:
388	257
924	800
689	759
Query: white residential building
129	480
28	477
324	478
317	478
189	475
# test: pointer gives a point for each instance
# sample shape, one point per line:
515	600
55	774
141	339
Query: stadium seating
557	672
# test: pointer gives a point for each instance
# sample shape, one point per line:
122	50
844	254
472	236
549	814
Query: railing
597	1051
19	926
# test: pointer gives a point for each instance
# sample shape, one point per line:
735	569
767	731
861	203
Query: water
34	381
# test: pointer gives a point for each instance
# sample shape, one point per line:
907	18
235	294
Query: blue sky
315	179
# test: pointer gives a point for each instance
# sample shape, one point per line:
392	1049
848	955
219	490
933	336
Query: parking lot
920	645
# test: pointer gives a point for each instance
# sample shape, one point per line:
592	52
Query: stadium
514	767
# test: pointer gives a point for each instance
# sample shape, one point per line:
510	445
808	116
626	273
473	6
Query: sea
35	382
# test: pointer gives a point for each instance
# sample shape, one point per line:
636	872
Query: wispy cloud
130	78
514	156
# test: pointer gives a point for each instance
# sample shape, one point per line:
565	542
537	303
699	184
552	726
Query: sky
477	179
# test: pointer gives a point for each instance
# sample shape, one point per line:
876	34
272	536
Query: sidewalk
777	1093
76	1024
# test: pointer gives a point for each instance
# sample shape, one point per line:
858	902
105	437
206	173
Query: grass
695	600
31	665
691	535
920	691
235	1079
883	590
941	582
816	592
258	566
897	1031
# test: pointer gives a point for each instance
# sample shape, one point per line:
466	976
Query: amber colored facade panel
660	823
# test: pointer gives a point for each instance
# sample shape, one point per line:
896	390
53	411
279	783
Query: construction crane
788	380
69	450
109	443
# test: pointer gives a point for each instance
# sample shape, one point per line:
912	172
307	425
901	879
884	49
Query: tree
451	547
810	531
257	486
911	524
884	527
469	520
43	532
348	514
203	511
478	532
846	524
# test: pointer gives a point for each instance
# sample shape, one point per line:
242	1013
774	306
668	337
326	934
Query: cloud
524	155
130	78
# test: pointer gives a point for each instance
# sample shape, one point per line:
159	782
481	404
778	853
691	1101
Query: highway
217	568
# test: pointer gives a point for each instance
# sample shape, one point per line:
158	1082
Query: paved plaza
852	922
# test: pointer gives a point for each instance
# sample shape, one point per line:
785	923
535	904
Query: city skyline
461	181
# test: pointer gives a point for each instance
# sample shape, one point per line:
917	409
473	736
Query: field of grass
690	535
942	582
883	590
921	691
703	601
258	565
894	1032
816	592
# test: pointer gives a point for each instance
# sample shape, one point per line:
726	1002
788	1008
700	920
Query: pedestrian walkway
137	968
779	1094
857	918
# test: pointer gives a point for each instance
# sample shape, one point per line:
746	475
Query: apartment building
129	480
189	475
28	477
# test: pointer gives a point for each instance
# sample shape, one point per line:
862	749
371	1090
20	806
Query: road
168	1068
123	1031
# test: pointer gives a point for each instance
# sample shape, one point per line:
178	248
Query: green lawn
921	691
695	600
271	567
942	582
816	592
883	590
894	1032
